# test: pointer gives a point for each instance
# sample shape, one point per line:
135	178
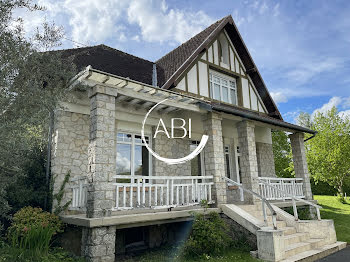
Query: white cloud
158	23
279	97
93	20
338	102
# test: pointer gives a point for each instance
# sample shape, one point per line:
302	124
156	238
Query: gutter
253	116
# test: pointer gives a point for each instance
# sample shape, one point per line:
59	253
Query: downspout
313	135
154	75
48	160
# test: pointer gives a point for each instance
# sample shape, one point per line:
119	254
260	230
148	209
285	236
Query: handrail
294	204
264	201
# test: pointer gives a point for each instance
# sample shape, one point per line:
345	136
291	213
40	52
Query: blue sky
302	48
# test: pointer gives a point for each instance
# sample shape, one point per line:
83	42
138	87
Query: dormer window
223	88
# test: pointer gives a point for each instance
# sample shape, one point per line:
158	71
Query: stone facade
300	164
214	156
170	148
265	158
102	164
249	164
69	148
98	244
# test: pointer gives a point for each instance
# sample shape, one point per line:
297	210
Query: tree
282	154
32	82
328	153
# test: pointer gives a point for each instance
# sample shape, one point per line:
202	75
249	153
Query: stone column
300	164
249	164
99	243
214	156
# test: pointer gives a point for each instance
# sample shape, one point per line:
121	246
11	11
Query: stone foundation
98	244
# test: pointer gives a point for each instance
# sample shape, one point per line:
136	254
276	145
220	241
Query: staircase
295	241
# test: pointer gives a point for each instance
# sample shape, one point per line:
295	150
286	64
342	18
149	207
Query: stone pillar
249	164
300	164
98	244
214	156
266	161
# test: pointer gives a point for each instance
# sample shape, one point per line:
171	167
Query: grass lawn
168	255
340	213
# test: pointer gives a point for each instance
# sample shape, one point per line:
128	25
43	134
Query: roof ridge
216	22
103	46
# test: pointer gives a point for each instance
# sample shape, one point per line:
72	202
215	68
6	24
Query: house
124	198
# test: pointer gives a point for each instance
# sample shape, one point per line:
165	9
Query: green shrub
32	230
209	236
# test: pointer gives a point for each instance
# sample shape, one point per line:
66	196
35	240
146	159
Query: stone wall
69	148
170	148
266	163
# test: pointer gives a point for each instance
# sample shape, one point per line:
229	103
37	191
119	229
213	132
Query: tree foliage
32	82
282	154
328	153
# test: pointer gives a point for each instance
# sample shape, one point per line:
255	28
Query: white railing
294	199
280	188
162	191
79	192
264	202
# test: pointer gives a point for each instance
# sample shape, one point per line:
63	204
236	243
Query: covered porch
234	150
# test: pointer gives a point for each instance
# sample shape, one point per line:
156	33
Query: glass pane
225	94
216	79
239	169
217	91
227	165
196	166
232	84
224	82
123	159
233	97
123	137
141	161
138	139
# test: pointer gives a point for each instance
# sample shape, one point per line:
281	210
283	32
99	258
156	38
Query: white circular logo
172	161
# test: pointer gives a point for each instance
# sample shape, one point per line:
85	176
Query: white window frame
229	88
132	157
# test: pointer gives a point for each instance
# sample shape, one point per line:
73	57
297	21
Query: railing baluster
124	196
143	193
117	197
155	195
167	191
177	196
187	194
131	196
150	193
138	193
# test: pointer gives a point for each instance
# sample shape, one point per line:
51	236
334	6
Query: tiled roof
168	64
171	65
111	61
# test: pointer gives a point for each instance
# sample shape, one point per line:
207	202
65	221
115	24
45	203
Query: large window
132	155
223	88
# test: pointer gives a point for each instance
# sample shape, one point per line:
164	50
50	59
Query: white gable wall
224	59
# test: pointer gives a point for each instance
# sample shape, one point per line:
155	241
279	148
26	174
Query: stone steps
315	254
297	248
295	238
